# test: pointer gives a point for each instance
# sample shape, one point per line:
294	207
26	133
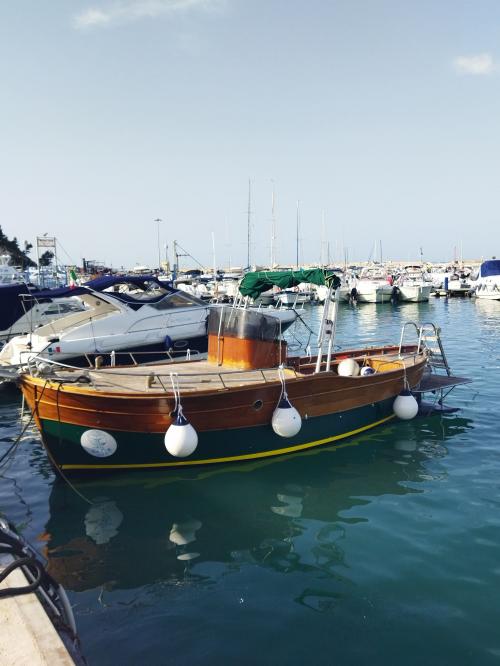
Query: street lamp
158	221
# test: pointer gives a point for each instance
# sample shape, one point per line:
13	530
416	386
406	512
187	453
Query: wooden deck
196	376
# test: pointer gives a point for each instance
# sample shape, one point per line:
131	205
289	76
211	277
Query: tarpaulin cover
102	283
11	307
257	282
490	268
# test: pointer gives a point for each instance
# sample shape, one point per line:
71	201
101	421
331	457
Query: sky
380	117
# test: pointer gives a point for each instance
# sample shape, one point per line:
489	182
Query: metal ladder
429	335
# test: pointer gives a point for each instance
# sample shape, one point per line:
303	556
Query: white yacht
487	284
371	286
127	319
124	315
413	285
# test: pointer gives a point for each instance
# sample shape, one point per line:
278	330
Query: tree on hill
46	258
18	257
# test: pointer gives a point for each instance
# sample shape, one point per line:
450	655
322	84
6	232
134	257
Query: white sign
43	241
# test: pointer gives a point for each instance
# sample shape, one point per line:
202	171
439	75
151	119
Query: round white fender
286	421
405	406
181	439
348	368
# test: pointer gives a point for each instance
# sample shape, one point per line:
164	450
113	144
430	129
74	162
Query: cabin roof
102	283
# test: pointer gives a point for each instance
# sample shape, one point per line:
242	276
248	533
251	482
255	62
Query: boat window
177	300
143	291
63	308
70	307
52	310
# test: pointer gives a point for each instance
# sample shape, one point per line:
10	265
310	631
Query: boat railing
36	368
96	360
406	325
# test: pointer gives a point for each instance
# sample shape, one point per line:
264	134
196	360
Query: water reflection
289	515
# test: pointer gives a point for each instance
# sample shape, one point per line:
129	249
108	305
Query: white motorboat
487	284
128	319
371	286
458	284
412	285
124	315
452	280
302	293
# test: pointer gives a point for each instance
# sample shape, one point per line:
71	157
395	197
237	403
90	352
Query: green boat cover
255	283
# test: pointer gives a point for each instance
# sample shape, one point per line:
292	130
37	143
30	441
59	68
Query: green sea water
385	551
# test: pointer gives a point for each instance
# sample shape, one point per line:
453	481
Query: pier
28	637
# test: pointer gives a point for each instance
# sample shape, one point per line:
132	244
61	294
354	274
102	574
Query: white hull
489	295
368	291
414	293
293	297
488	287
378	296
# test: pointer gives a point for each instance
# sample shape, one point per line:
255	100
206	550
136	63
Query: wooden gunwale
235	407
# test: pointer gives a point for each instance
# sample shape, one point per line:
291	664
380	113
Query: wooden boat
117	418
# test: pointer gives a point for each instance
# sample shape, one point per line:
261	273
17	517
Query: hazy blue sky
383	113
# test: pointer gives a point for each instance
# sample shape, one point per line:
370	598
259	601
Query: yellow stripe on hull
250	456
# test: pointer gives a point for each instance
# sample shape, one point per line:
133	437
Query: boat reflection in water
287	514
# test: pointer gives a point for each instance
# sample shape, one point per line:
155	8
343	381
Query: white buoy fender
286	421
348	368
366	370
405	406
181	439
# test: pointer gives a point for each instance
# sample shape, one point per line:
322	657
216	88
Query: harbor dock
28	637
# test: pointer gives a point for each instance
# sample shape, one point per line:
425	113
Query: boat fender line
181	439
395	294
286	420
353	295
405	405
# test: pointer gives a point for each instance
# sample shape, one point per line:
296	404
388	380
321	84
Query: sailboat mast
323	240
297	235
273	228
249	213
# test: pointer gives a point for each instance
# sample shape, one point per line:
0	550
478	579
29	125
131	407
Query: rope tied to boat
174	380
281	377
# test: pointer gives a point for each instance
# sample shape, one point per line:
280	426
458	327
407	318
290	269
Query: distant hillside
18	257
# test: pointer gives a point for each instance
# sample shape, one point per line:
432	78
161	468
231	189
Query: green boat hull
140	450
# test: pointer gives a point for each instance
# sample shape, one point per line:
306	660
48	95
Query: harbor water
383	550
